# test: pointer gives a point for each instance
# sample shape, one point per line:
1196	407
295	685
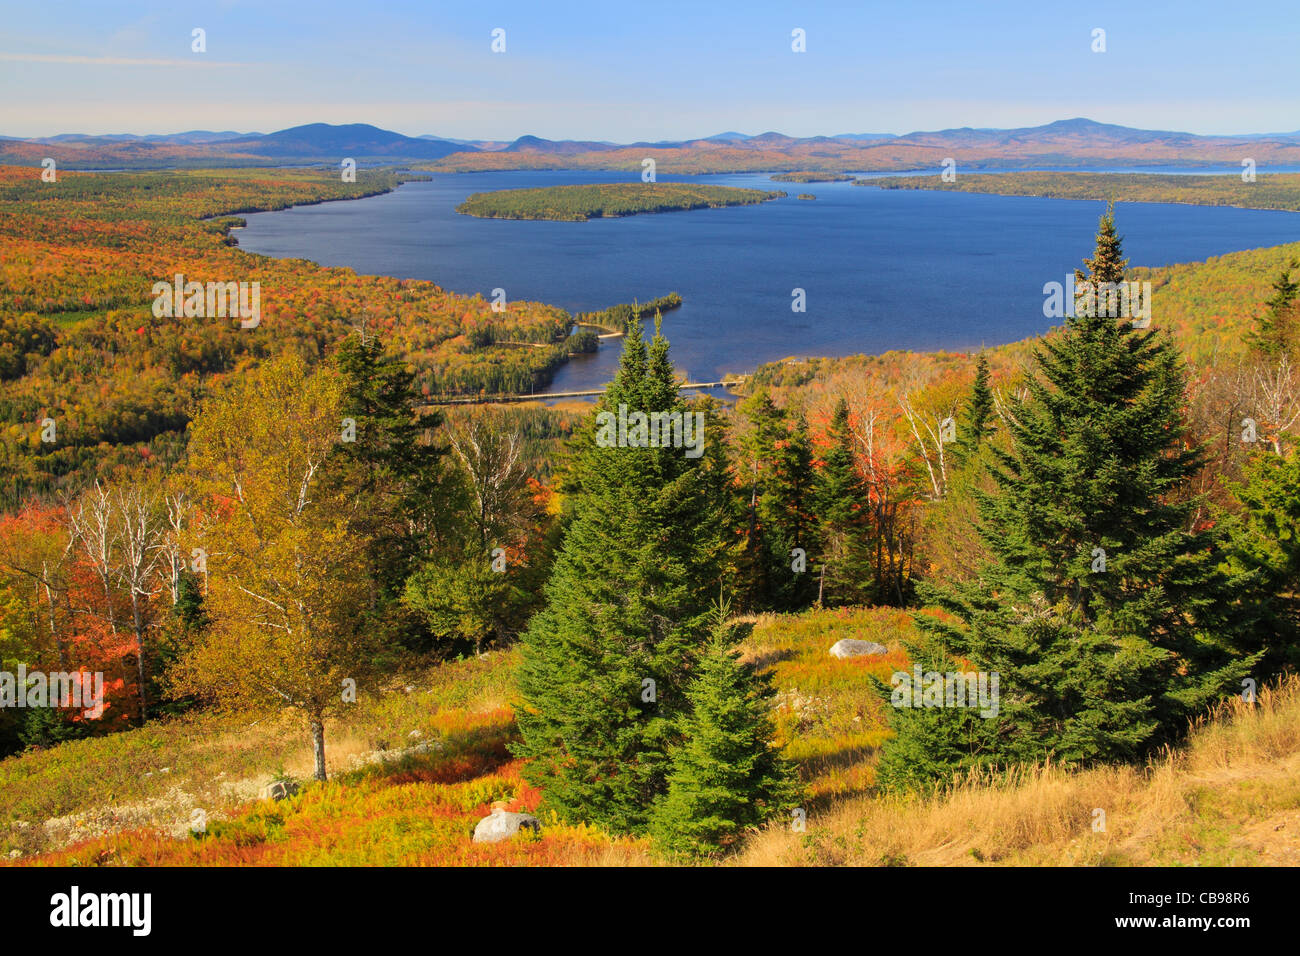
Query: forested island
1271	191
811	177
607	200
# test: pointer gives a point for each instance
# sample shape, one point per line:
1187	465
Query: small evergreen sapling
725	776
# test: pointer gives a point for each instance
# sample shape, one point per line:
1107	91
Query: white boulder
501	825
852	648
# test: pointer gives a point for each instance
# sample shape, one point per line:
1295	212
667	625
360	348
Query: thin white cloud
199	60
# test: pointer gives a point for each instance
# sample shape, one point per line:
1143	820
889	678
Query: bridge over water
547	396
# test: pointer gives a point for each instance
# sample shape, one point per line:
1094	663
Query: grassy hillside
416	768
133	812
1231	797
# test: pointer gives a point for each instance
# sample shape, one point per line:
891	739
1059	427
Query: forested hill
1265	191
1074	143
80	343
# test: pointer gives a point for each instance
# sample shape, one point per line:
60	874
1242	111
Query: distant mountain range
1080	143
325	142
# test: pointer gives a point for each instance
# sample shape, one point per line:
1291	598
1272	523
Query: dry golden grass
1230	797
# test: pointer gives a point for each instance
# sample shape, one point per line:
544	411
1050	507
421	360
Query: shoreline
542	391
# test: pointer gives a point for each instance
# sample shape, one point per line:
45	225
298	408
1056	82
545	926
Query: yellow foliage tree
287	577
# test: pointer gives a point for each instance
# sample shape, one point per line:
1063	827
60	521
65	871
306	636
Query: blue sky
626	71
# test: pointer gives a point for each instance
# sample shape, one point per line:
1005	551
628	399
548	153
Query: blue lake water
881	269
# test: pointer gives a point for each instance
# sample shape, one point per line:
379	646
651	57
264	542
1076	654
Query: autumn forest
227	520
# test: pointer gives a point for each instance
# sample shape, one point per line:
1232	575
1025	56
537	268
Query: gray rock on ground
851	648
279	790
501	825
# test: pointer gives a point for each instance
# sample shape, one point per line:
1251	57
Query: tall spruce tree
1266	532
977	416
763	425
777	469
390	435
725	774
839	496
786	514
1266	549
606	662
1275	333
399	469
1101	610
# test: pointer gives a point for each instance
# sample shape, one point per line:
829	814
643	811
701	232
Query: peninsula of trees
607	200
617	317
1264	191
